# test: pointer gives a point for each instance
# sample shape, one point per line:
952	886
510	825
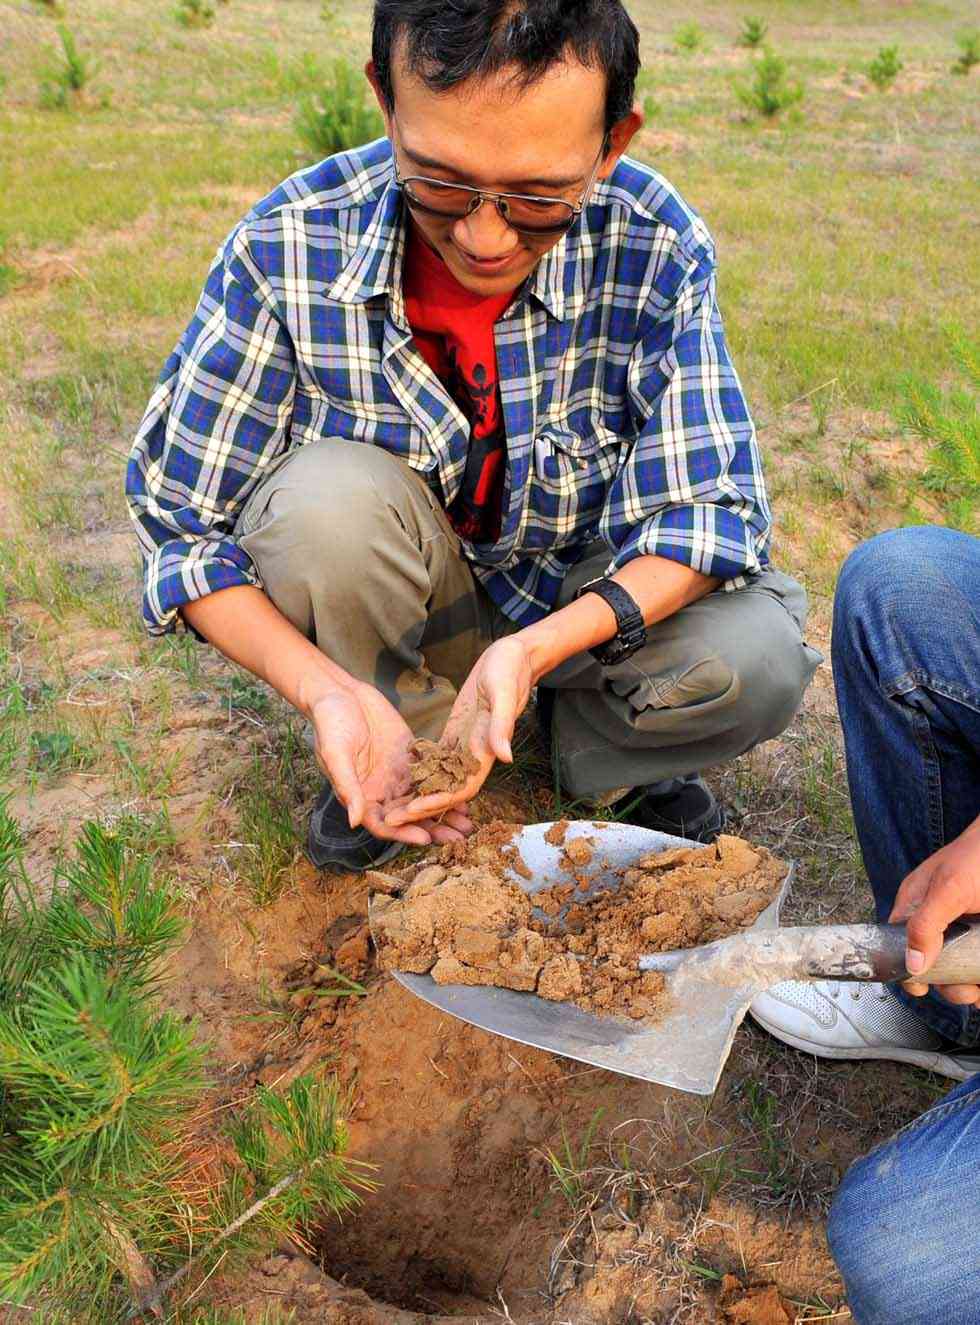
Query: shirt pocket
568	487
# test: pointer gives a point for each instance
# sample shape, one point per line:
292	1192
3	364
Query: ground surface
845	239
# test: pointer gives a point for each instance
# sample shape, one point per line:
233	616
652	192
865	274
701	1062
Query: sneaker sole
932	1060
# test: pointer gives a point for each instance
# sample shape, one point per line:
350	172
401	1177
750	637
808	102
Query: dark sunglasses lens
532	216
442	199
538	216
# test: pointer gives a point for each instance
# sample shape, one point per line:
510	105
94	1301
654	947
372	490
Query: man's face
543	140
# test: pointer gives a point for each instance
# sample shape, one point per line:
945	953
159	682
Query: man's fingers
459	820
346	785
442	833
915	989
926	927
413	834
502	719
960	993
911	892
423	807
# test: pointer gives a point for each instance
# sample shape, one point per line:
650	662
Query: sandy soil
469	924
459	1124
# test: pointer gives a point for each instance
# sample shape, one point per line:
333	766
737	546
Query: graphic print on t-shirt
453	330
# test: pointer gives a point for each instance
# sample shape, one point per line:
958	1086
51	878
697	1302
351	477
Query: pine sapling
338	115
101	1146
885	67
64	81
770	92
753	32
194	13
950	422
689	38
969	44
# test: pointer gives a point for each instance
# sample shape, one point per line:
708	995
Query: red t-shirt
453	329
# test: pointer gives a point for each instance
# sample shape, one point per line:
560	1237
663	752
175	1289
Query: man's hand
362	745
491	700
939	891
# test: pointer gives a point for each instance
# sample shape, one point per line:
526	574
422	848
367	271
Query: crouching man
456	418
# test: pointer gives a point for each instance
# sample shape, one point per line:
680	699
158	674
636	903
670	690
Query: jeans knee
889	588
865	1234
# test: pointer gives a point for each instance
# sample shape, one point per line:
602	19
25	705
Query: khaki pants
357	552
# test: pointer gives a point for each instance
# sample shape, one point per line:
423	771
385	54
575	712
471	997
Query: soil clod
439	768
464	922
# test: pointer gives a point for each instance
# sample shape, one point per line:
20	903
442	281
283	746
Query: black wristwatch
631	633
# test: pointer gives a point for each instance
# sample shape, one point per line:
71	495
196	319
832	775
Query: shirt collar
547	281
375	266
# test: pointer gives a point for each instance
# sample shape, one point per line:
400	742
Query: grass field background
846	233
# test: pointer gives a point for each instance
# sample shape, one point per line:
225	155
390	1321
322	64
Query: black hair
445	42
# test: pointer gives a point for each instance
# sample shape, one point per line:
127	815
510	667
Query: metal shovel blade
687	1049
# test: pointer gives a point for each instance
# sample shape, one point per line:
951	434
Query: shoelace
856	991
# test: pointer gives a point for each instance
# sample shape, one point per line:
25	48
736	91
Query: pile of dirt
464	922
439	768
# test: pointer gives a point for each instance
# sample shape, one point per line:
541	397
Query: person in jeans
456	418
906	654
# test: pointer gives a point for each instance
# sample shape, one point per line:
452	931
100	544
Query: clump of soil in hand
439	768
463	922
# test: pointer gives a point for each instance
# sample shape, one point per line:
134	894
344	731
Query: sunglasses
528	213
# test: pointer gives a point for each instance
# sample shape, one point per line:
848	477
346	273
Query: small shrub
194	13
58	751
770	92
338	115
969	44
885	67
328	12
64	81
689	38
950	422
753	32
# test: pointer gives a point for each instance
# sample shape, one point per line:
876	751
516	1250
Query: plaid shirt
625	419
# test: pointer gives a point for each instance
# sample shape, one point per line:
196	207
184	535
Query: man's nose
485	233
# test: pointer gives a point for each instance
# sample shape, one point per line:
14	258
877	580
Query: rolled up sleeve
218	417
691	487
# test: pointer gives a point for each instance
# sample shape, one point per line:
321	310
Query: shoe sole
345	867
931	1059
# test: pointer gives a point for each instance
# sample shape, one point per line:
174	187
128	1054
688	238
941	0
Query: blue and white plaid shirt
625	419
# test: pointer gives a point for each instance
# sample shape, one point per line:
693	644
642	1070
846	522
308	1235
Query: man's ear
620	136
371	74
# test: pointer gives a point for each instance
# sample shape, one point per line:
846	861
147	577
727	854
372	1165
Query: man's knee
333	509
331	490
886	1232
891	589
773	671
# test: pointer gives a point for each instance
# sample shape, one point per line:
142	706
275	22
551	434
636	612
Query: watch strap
631	630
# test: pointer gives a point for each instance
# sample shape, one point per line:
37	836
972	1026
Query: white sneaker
861	1020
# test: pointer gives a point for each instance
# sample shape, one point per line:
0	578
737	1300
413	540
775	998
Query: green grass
268	838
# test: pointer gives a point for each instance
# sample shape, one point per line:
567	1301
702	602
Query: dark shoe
683	807
333	843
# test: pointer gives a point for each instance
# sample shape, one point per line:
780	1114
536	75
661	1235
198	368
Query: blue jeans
905	1224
